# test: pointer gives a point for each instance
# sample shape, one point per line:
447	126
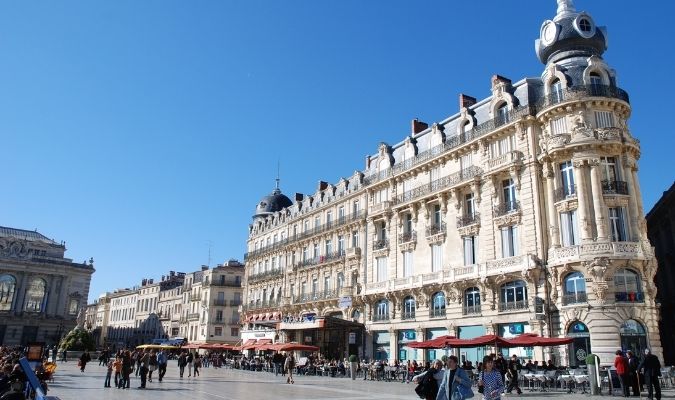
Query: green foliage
78	340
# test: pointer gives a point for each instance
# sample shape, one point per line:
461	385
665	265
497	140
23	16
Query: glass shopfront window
434	333
381	345
404	338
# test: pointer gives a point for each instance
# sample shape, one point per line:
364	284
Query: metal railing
306	234
435	229
336	255
408	315
614	187
458	177
467	220
565	192
506	207
437	312
227	283
380	244
629	297
265	275
406	237
581	91
262	304
469	310
380	317
574	298
513	305
219	302
235	303
192	316
308	297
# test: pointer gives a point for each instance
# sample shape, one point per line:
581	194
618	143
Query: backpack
428	387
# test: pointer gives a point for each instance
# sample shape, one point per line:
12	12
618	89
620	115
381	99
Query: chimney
144	282
322	185
299	197
150	281
205	267
163	278
466	101
500	79
418	126
172	273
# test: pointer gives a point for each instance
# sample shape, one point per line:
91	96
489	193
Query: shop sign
352	337
345	302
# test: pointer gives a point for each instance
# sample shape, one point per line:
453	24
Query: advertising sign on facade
345	302
352	337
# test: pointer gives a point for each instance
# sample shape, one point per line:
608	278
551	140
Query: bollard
593	364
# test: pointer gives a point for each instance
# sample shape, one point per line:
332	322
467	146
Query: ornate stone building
520	213
41	291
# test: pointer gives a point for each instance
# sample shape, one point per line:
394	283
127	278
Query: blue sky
141	131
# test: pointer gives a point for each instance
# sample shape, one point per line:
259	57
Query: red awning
262	343
440	342
531	340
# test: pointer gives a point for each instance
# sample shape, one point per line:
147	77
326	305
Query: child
108	374
117	366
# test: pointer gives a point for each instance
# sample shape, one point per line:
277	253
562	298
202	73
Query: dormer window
556	90
585	25
503	113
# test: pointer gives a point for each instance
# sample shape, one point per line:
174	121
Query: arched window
7	289
35	295
502	114
513	296
381	311
581	346
575	289
340	281
438	305
471	301
409	306
556	91
356	314
633	336
627	287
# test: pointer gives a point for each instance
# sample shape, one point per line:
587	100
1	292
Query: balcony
629	297
265	275
471	310
227	283
234	321
467	220
407	237
193	316
380	244
435	229
381	206
513	306
220	302
218	321
574	298
564	193
614	187
437	313
505	208
334	256
235	303
439	184
195	297
309	297
580	92
406	316
503	160
589	251
381	318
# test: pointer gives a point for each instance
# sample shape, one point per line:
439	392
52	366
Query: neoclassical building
41	291
519	213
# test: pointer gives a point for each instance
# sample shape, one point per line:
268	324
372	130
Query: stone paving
213	384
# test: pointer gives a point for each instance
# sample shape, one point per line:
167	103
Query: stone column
393	344
582	198
19	292
599	208
554	235
629	163
642	224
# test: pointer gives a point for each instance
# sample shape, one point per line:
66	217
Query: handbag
481	386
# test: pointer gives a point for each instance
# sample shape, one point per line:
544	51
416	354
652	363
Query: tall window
627	281
341	244
381	265
382	195
575	288
569	232
329	247
326	283
355	207
315	286
502	146
559	126
616	223
408	308
382	310
436	216
609	169
407	263
7	289
470	250
329	218
465	161
435	174
567	178
340	280
596	83
35	295
556	90
503	114
472	301
604	119
510	244
469	205
382	231
341	214
407	223
436	257
509	193
438	304
513	296
355	239
315	253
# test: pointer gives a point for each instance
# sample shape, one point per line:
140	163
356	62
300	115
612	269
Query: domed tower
276	201
599	256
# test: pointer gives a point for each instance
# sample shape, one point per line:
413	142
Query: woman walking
289	364
490	380
84	359
197	364
430	387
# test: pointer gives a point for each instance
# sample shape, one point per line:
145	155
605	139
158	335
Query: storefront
381	345
405	337
336	338
633	337
581	347
434	333
473	354
509	331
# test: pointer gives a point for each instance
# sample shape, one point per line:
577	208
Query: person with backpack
429	381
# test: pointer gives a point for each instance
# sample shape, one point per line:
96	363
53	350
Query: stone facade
42	292
520	213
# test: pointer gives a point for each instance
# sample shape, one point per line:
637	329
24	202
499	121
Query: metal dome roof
276	201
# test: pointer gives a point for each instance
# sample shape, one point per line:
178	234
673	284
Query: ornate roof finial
276	189
565	7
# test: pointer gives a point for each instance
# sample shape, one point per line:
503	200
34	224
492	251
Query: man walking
633	364
277	360
512	371
353	365
161	364
144	362
189	359
182	362
652	368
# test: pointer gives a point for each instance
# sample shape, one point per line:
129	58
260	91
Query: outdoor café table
581	379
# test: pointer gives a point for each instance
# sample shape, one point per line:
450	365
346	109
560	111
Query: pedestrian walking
161	364
490	382
353	365
127	369
152	365
190	358
623	370
652	370
512	372
108	374
144	362
117	368
289	365
197	362
633	364
84	359
456	383
182	362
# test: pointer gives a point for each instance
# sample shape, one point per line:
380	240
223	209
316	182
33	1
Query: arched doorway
633	337
581	347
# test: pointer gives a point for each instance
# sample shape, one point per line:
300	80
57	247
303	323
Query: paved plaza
229	384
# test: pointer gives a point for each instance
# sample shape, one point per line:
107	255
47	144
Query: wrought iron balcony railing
336	255
435	229
513	305
407	237
227	283
381	244
380	317
614	187
629	297
581	91
408	315
265	275
445	182
469	310
219	302
467	220
506	207
309	297
565	192
437	312
574	298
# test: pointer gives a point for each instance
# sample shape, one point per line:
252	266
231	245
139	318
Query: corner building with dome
520	213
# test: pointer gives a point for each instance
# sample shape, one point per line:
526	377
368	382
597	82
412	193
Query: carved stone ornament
15	249
407	246
608	133
469	230
566	206
597	268
508	219
557	141
436	239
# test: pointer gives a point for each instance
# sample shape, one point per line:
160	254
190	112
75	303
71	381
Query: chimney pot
466	101
418	126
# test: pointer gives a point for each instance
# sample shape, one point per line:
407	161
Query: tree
78	340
